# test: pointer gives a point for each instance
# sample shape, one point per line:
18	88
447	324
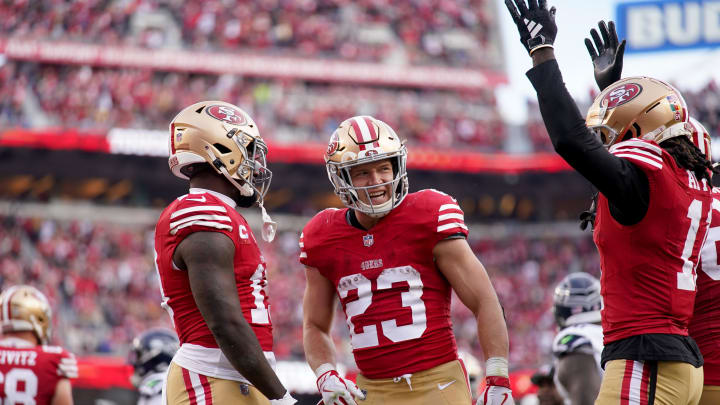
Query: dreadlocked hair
689	157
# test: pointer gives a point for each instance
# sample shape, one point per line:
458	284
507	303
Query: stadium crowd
102	98
101	279
448	32
34	95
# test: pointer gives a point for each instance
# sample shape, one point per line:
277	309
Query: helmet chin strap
375	211
246	189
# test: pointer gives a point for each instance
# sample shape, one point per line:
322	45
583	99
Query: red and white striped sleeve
68	367
451	219
303	253
646	155
446	217
194	218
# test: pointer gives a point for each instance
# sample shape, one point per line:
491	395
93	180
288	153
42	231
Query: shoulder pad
152	384
68	366
645	154
571	343
52	349
445	214
209	212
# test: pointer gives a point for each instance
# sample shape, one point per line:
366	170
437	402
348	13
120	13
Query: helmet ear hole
222	148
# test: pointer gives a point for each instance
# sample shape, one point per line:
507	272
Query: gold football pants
629	382
185	387
446	384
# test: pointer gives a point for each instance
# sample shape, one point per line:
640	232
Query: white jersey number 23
410	299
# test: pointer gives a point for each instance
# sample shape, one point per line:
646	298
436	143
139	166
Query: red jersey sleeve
200	213
67	368
310	239
444	215
644	154
63	361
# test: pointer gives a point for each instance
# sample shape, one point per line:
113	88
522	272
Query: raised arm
624	184
608	58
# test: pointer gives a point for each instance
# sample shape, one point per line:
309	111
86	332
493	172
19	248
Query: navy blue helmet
152	351
577	300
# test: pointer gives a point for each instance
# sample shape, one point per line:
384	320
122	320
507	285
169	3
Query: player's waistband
419	378
211	362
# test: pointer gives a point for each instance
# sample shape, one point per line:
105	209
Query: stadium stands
451	32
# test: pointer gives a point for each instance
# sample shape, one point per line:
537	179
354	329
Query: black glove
535	23
608	60
588	217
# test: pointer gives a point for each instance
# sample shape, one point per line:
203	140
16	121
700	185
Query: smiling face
371	174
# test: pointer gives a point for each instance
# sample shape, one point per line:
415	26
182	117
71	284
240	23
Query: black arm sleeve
621	182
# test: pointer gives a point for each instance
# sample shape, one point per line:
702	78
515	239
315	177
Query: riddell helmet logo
622	94
227	114
333	145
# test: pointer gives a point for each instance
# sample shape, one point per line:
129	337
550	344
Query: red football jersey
396	301
648	269
705	323
207	212
29	374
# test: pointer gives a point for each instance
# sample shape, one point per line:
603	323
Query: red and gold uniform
29	374
649	290
396	301
199	355
656	278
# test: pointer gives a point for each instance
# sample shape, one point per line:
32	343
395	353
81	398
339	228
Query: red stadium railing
421	158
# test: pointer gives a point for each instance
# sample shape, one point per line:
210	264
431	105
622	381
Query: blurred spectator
447	32
102	98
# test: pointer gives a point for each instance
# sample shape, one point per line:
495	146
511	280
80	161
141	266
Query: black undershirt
623	184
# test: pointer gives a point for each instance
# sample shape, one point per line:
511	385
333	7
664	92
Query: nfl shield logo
368	240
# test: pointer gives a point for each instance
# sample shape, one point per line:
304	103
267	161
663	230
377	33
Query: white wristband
324	368
540	47
496	366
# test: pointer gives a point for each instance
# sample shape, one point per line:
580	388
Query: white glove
287	399
497	384
497	392
334	389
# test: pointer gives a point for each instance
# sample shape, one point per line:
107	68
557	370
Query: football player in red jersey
705	323
392	259
31	372
703	327
212	273
653	214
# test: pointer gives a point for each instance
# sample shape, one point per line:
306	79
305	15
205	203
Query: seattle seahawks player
578	345
151	354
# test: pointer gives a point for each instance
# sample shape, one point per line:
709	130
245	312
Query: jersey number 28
12	380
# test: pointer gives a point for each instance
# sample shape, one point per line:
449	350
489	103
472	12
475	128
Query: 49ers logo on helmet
333	145
227	114
622	94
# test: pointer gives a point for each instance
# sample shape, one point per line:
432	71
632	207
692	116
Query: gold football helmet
701	138
224	136
638	107
359	140
25	308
